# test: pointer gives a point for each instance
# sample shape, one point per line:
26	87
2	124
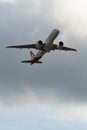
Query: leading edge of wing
23	46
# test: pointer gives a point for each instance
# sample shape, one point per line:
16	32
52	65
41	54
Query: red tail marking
32	55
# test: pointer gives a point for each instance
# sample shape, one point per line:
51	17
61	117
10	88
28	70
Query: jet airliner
43	47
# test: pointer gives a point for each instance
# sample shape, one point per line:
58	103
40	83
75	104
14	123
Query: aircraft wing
29	61
55	47
67	49
23	46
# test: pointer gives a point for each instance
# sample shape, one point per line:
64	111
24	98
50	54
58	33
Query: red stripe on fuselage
35	60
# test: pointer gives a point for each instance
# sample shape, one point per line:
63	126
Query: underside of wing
30	61
67	49
23	46
61	47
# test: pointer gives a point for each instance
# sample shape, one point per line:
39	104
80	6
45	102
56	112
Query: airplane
43	47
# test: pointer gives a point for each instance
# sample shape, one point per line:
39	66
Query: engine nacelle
39	45
61	43
40	42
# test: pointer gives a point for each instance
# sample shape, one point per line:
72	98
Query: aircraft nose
56	30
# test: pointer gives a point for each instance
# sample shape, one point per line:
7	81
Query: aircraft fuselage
48	44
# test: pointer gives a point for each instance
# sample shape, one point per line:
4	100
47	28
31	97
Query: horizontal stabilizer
30	61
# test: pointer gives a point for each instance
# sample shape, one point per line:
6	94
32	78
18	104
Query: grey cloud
62	75
20	21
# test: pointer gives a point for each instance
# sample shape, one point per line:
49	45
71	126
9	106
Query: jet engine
61	43
39	45
40	42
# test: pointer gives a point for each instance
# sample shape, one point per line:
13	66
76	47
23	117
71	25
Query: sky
52	95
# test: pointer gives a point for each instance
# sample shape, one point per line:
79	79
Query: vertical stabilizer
32	55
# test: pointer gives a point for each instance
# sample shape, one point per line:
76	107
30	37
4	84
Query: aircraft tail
32	55
32	58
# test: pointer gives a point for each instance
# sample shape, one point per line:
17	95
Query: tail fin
32	55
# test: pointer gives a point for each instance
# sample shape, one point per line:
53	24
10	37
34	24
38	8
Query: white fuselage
49	43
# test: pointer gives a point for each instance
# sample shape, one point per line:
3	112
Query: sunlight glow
71	9
73	14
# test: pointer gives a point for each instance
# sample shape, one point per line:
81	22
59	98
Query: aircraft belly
49	41
40	53
52	36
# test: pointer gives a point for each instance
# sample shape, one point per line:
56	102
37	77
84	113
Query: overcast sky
52	95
